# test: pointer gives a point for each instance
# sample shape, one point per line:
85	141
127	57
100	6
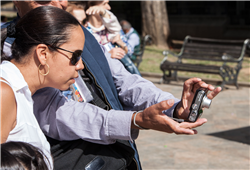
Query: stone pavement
222	143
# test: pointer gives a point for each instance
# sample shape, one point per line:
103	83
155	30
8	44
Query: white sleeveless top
27	128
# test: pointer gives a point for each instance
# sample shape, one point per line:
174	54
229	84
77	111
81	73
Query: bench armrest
167	52
229	58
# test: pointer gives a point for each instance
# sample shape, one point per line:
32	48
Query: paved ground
222	143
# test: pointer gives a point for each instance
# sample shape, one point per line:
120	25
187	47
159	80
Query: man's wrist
124	46
136	120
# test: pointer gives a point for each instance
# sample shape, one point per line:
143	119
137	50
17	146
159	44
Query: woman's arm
8	110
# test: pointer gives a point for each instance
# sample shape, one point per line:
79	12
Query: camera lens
206	102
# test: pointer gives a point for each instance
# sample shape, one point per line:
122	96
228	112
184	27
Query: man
132	36
119	90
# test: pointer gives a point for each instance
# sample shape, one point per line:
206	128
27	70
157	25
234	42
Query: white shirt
27	128
133	39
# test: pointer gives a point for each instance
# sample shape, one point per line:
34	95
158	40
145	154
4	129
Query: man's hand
153	118
117	53
117	39
189	88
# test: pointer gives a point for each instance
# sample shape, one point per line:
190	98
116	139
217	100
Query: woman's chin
65	87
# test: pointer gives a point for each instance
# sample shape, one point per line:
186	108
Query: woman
105	27
45	53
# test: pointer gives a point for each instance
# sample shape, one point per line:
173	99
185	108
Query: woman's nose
79	65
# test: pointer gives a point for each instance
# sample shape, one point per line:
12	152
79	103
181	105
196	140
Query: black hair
21	156
42	25
8	161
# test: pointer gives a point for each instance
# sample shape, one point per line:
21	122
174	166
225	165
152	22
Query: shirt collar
14	76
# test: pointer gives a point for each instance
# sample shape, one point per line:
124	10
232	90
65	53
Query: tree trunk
155	21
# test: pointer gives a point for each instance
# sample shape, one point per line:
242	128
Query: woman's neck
31	76
95	20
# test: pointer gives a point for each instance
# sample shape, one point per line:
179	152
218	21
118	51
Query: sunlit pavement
222	143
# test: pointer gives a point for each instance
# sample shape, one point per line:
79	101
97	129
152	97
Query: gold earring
40	71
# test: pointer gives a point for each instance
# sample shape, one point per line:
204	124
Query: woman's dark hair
21	156
42	25
8	161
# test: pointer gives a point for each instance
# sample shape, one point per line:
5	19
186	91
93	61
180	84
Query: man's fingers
188	127
164	105
185	131
214	93
202	84
190	82
121	50
191	125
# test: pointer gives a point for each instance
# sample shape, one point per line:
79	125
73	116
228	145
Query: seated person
41	48
132	37
105	27
21	155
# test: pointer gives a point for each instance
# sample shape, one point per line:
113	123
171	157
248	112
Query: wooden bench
222	52
146	39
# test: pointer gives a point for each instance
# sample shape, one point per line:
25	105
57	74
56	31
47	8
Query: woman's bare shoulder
6	92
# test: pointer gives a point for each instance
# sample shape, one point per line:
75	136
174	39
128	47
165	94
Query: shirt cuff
119	125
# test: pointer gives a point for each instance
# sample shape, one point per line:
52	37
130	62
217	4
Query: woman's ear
43	53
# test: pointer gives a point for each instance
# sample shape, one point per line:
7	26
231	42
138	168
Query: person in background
77	9
105	27
22	156
45	53
132	37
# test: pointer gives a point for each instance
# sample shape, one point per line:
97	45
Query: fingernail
170	102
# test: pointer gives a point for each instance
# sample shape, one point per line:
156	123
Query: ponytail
9	31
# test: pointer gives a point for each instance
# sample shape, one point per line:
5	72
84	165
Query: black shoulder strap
96	99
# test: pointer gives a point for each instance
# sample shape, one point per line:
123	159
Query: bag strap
96	99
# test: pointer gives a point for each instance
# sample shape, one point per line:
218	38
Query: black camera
200	101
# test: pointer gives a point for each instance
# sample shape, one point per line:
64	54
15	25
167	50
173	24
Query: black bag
83	155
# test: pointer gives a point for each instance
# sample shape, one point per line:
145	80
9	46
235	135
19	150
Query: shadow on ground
238	135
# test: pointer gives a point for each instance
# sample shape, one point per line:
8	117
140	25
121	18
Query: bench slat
211	51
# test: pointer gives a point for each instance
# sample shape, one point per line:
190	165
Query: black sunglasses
75	55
